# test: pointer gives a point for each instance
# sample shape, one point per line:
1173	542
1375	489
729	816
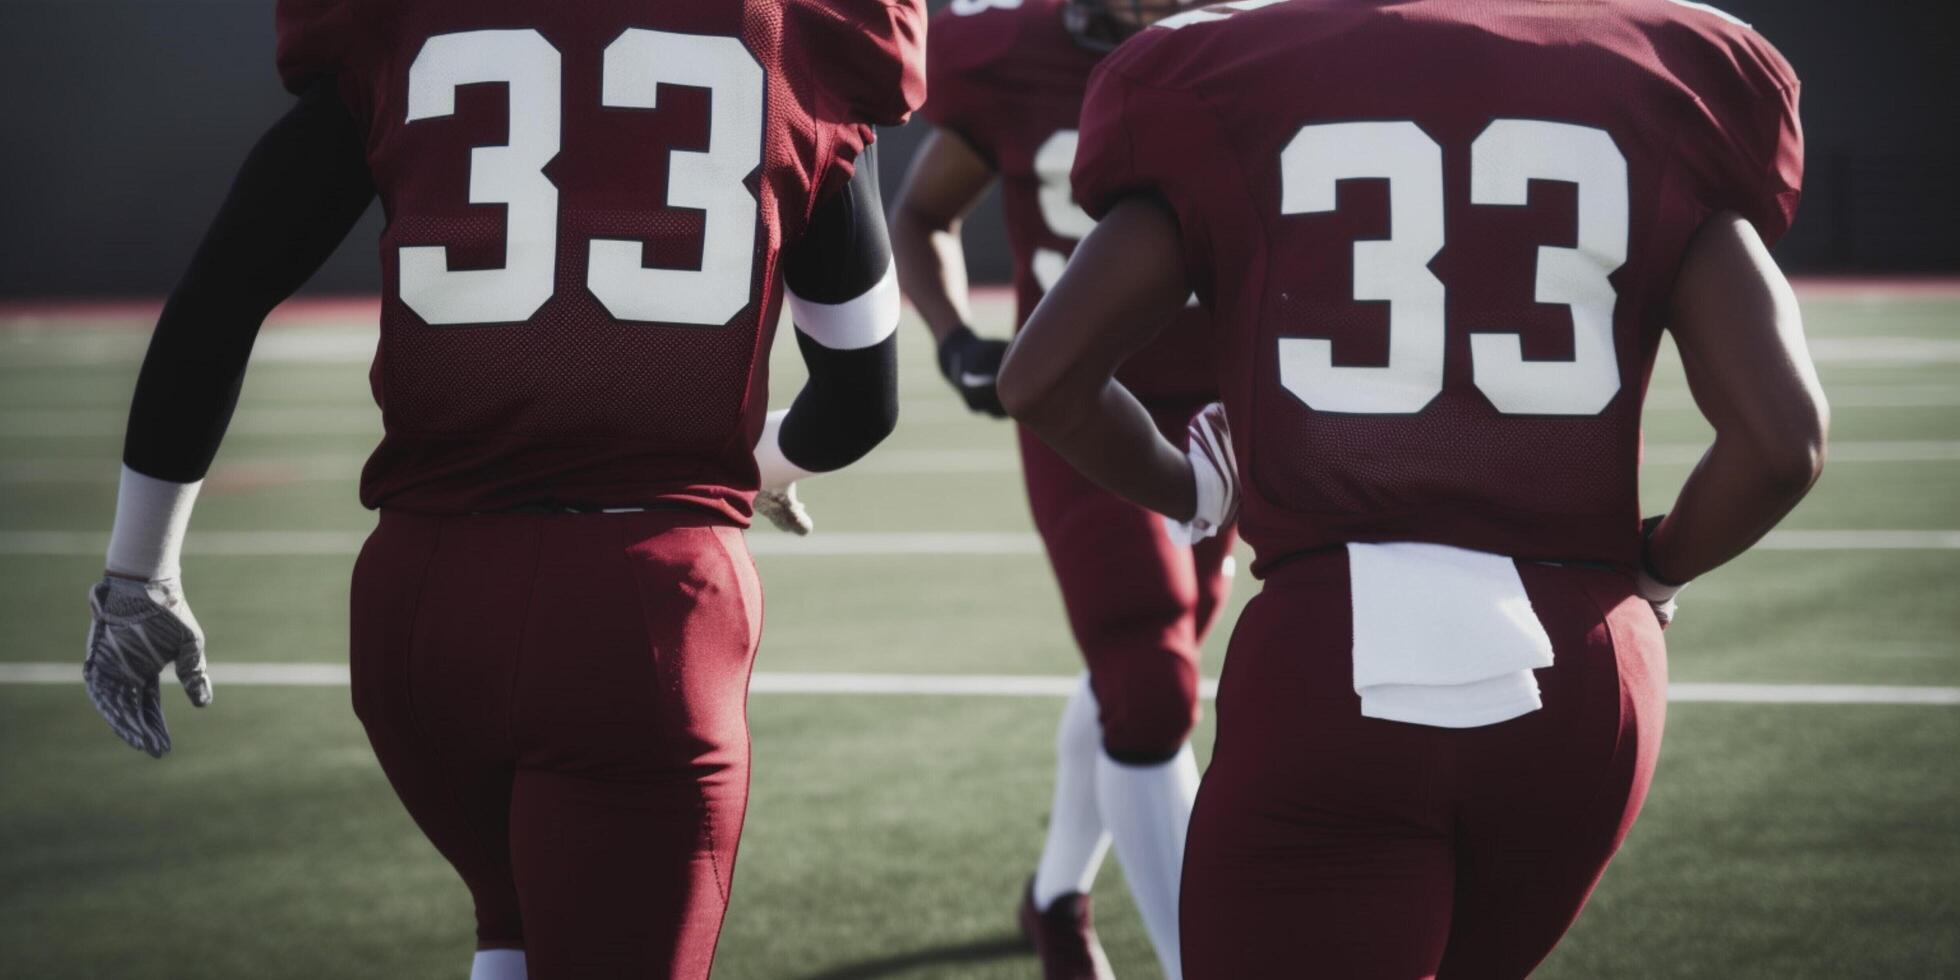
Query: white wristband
151	517
773	469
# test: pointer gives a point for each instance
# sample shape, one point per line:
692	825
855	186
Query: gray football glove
780	506
139	627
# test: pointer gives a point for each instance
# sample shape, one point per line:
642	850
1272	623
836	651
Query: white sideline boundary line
1009	685
280	544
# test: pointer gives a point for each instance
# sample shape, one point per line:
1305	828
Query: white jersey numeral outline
634	68
1505	159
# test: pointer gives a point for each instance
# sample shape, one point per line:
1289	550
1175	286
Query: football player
1440	242
1006	85
590	207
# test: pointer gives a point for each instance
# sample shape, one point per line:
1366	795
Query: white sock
498	964
1076	838
1147	809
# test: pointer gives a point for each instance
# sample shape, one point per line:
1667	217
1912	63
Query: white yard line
236	544
1887	351
1845	451
108	469
1008	685
75	423
1841	396
1861	541
346	467
1813	694
80	422
274	544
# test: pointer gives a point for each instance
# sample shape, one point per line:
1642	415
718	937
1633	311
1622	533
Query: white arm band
151	517
774	469
862	321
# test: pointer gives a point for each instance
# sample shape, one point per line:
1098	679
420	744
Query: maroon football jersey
585	203
1008	78
1439	239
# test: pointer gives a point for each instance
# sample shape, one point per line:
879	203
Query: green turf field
888	835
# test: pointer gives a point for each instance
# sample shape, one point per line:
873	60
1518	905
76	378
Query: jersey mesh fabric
1007	80
1700	107
574	407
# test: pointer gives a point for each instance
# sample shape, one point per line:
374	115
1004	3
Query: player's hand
1659	594
970	362
1215	467
139	627
780	506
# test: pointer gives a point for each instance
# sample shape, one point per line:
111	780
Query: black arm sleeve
846	249
850	402
298	194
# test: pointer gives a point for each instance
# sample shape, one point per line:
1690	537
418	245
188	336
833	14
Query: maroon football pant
559	701
1326	844
1138	604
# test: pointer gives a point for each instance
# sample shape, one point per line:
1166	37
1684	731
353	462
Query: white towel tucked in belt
1443	636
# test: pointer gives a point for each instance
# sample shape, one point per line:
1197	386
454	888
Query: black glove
970	363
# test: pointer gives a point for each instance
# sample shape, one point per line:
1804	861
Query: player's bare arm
844	302
947	179
1123	285
1741	339
298	194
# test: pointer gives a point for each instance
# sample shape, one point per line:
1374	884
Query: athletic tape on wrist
151	518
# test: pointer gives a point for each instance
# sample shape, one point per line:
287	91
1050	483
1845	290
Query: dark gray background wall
124	119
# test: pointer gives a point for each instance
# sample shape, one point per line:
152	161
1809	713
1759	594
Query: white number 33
635	67
1504	160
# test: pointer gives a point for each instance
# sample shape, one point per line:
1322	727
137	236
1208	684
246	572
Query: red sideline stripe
316	309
